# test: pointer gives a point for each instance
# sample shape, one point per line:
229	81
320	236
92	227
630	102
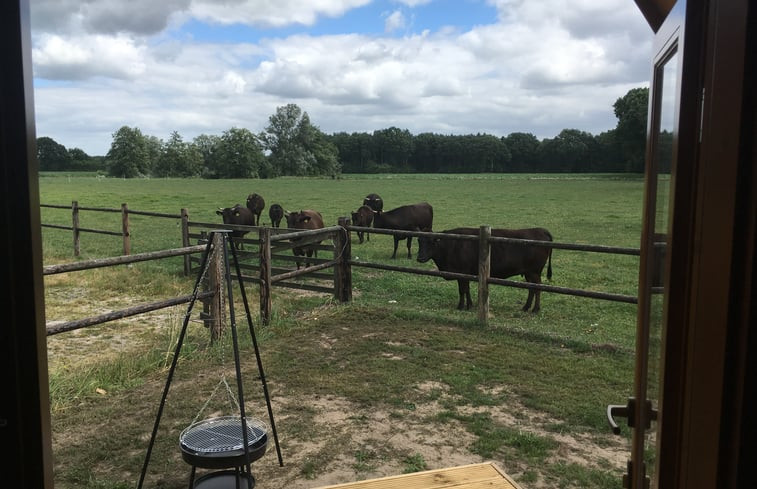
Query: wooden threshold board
475	476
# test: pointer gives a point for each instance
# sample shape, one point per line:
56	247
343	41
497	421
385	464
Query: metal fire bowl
225	479
218	443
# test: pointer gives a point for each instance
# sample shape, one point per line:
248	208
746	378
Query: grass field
396	380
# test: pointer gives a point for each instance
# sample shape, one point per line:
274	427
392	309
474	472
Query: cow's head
426	247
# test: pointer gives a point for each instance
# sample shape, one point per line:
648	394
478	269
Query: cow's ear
219	212
236	212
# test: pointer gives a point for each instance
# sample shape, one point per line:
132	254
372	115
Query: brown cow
305	219
256	204
237	215
276	213
363	217
507	259
374	201
414	217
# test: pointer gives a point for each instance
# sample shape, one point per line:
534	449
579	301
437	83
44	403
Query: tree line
291	145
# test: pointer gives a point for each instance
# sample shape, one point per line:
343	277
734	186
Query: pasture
396	380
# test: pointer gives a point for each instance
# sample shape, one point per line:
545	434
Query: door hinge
628	476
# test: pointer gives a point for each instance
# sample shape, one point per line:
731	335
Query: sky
442	66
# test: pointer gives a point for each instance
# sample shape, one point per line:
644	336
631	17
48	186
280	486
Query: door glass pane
661	168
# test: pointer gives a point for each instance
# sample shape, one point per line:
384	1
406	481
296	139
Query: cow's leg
409	242
396	242
360	237
533	294
468	301
310	255
461	294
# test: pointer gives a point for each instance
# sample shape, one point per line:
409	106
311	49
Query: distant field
565	363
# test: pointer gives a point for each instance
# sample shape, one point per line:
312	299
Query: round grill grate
219	435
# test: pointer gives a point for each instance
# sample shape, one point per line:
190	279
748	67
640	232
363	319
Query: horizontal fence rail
56	327
265	244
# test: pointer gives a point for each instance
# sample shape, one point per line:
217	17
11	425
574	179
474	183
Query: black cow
374	202
256	204
237	215
413	217
276	213
507	259
305	219
363	217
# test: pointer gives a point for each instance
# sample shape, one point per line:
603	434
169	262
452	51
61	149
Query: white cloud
538	67
271	14
73	58
394	21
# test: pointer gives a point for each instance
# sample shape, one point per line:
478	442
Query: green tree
283	137
81	161
570	151
178	159
51	155
394	147
524	148
237	154
631	131
129	155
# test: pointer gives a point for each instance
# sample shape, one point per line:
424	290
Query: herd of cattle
450	255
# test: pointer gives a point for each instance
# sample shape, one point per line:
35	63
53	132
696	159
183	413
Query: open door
662	154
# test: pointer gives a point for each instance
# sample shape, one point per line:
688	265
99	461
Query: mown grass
566	363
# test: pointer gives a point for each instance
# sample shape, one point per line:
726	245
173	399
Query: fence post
265	275
75	225
484	269
185	240
125	229
216	272
342	256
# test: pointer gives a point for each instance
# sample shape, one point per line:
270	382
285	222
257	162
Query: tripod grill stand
226	442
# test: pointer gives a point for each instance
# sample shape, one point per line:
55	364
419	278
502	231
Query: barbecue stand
226	442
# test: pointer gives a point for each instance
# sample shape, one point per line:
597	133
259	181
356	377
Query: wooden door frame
709	355
704	438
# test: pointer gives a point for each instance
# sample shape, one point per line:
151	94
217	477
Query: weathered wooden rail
256	263
124	233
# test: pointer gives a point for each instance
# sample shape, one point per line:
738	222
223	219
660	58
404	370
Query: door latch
628	411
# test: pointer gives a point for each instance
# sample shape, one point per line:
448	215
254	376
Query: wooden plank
475	476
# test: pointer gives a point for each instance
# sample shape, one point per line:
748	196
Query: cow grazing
305	219
276	213
413	217
507	259
237	215
256	204
374	202
363	217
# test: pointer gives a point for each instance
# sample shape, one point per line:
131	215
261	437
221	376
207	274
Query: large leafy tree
284	138
178	159
524	148
130	153
237	154
80	160
52	156
569	151
630	133
297	147
394	147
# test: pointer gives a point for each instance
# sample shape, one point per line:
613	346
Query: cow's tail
549	260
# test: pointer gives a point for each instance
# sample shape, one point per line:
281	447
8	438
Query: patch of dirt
348	442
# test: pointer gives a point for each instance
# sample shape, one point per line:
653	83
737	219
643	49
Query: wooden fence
256	263
124	233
